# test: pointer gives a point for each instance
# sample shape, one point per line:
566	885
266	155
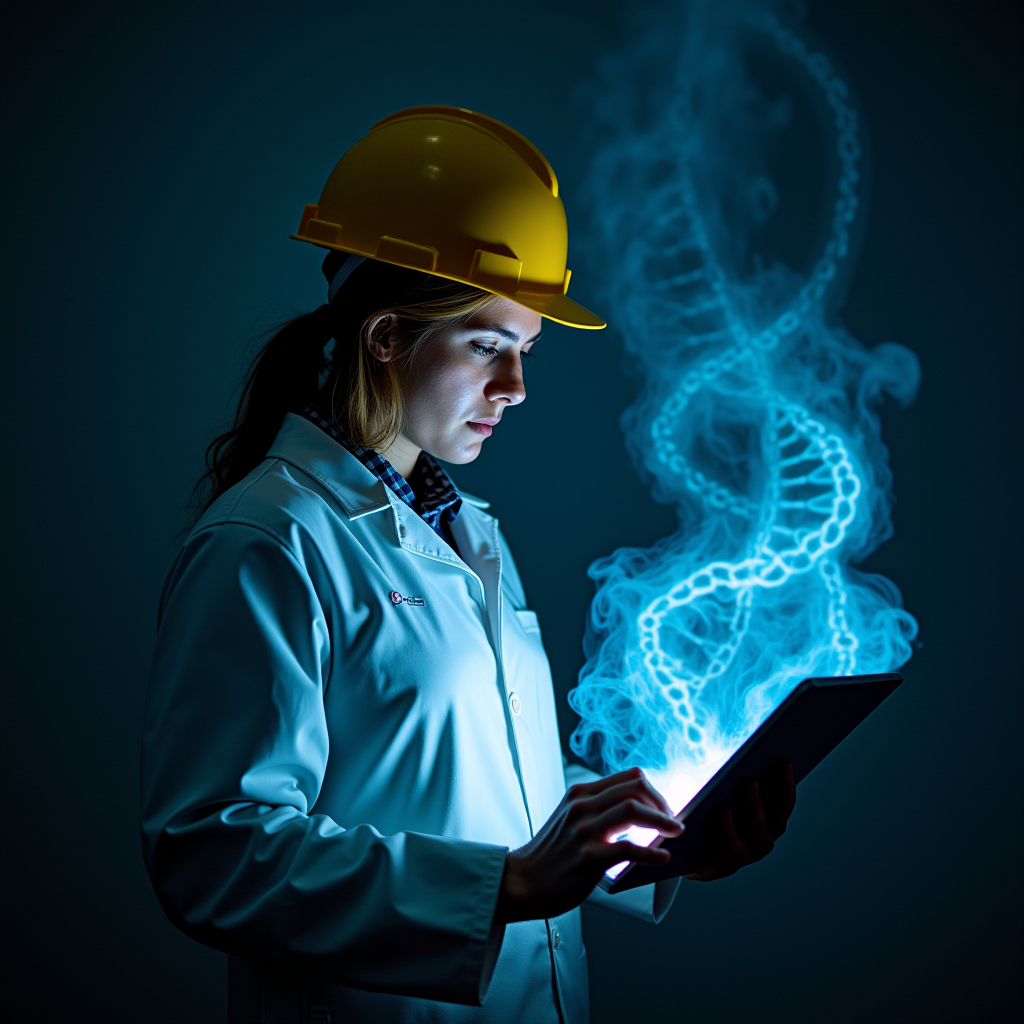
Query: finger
749	818
734	850
582	790
631	812
618	778
725	853
729	828
614	853
632	789
788	794
780	799
637	778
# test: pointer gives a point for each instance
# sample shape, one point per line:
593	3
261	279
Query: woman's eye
484	350
528	355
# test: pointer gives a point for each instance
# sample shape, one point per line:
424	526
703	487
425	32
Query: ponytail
284	377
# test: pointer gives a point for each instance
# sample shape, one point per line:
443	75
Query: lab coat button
556	939
515	703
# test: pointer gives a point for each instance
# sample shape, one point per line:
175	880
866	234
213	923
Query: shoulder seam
285	547
252	525
264	468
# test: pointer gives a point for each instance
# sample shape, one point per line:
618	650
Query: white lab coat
347	727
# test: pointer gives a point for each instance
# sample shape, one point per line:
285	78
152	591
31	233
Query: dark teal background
155	158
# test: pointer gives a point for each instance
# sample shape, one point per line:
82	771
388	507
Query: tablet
814	719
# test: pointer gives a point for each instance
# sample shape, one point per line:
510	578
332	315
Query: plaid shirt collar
438	502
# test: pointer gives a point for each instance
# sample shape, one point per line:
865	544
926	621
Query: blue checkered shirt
429	492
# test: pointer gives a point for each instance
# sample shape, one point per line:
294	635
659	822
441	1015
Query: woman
352	781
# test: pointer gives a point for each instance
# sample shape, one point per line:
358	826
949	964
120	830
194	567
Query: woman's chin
459	455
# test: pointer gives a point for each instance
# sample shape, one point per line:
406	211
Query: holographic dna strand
812	487
681	674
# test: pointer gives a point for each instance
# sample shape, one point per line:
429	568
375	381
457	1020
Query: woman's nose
508	383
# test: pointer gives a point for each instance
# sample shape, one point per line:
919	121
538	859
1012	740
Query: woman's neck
402	454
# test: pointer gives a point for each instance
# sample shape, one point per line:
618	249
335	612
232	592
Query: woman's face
461	381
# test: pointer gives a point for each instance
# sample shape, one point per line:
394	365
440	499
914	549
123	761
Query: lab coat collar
304	445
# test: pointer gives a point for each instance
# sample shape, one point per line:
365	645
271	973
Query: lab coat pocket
529	621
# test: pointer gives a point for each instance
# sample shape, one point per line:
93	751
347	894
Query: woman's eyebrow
498	329
506	333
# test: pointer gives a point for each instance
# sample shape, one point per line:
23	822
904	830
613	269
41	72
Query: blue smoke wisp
756	417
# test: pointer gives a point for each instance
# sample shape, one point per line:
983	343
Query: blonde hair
360	393
365	393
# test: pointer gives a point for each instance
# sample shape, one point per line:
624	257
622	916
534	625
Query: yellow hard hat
458	195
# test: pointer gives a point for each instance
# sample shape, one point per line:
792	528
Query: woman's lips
483	427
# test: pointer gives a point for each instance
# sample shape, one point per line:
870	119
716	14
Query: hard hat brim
557	307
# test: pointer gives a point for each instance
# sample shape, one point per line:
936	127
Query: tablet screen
813	719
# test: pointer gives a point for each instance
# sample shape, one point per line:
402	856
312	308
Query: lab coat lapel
415	536
476	535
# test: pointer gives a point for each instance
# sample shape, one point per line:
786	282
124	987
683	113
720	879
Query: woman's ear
382	337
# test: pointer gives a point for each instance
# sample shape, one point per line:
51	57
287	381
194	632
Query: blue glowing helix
813	486
694	642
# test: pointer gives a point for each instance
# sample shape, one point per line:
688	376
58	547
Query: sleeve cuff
487	864
646	902
491	950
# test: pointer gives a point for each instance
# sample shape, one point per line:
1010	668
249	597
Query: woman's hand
559	867
746	831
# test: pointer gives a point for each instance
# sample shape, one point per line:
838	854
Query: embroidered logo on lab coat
397	599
